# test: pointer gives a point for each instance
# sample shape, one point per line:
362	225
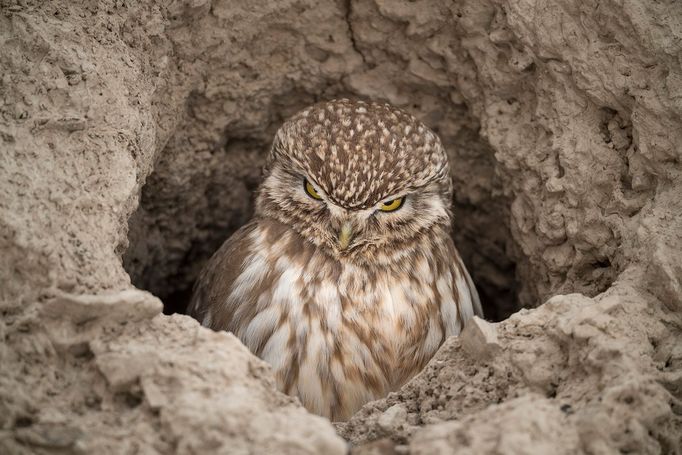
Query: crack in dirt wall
562	123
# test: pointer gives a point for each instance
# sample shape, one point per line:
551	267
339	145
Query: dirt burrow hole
195	199
202	186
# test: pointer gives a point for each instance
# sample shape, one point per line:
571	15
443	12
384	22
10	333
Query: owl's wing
213	286
469	301
475	299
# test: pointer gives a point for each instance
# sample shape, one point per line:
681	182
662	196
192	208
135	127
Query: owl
346	281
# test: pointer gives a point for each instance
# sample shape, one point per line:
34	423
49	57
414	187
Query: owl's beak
345	235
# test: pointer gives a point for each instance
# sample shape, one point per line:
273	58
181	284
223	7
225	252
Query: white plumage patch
448	307
260	326
275	352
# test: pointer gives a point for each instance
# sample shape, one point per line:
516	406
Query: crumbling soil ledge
562	121
573	375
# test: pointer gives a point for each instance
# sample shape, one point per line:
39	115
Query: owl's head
362	180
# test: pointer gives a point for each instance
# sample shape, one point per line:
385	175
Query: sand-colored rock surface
131	139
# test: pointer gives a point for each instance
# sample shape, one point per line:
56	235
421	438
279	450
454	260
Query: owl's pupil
389	202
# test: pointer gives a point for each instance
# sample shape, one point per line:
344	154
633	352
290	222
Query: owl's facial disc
345	231
377	179
378	231
347	223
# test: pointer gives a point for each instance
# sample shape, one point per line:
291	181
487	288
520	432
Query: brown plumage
346	280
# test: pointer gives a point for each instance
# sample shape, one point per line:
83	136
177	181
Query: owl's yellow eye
392	205
310	189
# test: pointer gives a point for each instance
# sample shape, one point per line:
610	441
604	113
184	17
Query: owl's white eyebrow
393	197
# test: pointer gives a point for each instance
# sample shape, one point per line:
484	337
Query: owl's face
364	181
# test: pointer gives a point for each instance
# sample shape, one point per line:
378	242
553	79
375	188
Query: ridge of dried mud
132	137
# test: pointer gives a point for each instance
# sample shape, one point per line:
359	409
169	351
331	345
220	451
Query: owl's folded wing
209	304
468	301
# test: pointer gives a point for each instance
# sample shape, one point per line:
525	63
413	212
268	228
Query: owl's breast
336	334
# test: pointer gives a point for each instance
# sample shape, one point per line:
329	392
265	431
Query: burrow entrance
198	196
257	74
203	183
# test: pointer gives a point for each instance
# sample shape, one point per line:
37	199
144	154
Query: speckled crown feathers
360	153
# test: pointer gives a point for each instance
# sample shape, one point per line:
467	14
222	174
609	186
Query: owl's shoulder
216	278
469	303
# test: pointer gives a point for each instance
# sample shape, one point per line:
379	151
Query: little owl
346	281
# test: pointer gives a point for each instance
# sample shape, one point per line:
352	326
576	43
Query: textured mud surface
131	139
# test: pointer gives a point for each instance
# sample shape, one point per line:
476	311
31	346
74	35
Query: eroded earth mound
132	136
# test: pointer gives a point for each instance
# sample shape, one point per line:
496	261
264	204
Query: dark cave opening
184	217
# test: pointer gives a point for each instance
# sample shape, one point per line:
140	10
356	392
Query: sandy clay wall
131	139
